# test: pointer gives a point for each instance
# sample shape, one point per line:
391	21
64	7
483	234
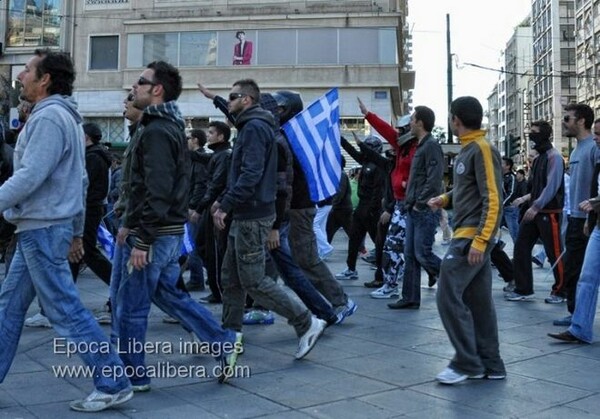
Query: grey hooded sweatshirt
49	182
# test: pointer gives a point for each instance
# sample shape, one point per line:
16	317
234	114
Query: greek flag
188	241
106	240
314	136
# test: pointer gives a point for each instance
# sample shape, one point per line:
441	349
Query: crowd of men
247	207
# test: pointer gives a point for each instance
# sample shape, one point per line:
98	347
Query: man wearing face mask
542	219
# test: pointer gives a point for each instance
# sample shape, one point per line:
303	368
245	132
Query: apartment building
305	45
587	39
518	71
554	71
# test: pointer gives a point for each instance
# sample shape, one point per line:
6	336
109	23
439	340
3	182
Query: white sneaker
386	292
347	274
39	320
103	315
229	360
142	388
98	401
449	376
310	338
170	320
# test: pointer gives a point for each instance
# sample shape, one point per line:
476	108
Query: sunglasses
567	118
143	81
234	96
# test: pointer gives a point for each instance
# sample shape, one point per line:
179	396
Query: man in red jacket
405	148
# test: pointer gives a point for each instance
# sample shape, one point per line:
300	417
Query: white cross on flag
314	136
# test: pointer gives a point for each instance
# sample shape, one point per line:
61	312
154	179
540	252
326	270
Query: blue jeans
511	217
319	226
40	267
294	278
420	234
115	281
156	283
586	299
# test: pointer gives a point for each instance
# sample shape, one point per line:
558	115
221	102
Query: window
161	46
356	46
34	23
104	52
325	38
277	47
567	56
197	49
268	47
380	94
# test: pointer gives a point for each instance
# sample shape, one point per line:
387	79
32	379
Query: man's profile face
597	133
213	136
143	89
236	102
32	89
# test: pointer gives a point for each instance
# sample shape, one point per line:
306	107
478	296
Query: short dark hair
168	77
521	172
426	116
222	128
509	162
238	33
544	127
60	68
199	135
468	110
249	88
93	131
582	110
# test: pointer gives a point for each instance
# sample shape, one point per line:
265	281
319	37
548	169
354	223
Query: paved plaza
380	363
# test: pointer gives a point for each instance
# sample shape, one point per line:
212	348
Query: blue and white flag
187	246
106	240
314	136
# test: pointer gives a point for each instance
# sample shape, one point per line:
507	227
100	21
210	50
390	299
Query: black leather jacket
160	176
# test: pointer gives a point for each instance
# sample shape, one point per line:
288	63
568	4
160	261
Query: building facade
554	75
587	38
518	70
309	46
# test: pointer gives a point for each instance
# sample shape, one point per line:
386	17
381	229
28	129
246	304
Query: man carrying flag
314	138
250	200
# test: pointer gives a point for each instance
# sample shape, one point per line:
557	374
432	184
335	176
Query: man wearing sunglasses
250	201
577	123
155	214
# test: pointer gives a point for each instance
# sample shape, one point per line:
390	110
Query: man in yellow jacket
464	295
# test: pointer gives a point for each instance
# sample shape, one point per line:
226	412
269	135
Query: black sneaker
432	280
210	299
373	284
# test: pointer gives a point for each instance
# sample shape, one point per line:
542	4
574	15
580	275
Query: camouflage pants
393	247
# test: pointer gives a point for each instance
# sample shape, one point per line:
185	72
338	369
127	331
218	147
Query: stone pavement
380	363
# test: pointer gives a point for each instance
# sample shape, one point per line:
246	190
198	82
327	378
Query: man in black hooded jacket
97	165
542	219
